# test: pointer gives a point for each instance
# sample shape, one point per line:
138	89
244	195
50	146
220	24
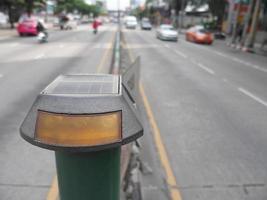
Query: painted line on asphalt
249	94
39	56
166	45
170	178
53	192
105	57
180	53
201	66
206	68
171	181
248	64
259	68
220	54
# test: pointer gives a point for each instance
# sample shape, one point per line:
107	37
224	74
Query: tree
217	8
31	4
12	7
79	5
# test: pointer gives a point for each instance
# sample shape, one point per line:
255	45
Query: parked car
131	22
199	34
145	24
219	35
167	32
27	25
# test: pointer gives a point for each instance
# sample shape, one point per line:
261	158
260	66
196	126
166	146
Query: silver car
167	32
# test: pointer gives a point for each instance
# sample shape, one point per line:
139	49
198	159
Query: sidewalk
7	33
256	50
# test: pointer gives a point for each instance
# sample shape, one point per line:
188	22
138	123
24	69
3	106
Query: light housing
86	112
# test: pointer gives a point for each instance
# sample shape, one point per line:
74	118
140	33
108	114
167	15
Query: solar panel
85	84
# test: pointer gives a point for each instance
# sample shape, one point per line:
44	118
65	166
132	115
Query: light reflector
78	130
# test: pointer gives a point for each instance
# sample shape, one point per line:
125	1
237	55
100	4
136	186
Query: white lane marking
180	53
234	59
206	68
237	60
242	62
167	46
259	68
259	100
39	56
220	54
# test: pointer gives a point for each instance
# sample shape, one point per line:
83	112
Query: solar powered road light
85	119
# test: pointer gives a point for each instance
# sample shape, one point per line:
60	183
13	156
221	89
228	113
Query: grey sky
113	4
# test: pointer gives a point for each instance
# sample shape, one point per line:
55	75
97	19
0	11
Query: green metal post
89	176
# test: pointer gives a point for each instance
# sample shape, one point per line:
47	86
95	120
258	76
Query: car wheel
21	34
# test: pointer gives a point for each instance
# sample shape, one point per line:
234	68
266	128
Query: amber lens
78	130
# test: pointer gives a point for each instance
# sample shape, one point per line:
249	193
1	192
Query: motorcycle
95	30
42	37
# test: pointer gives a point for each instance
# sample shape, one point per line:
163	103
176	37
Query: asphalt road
210	106
26	68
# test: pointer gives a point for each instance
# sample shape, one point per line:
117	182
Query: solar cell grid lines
84	84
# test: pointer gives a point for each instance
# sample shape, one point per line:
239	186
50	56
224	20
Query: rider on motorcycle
95	25
41	27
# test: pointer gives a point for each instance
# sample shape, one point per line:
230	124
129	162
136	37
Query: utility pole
119	17
46	11
247	22
234	32
181	13
252	35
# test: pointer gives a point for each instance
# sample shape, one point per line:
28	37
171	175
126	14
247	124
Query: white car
131	22
167	32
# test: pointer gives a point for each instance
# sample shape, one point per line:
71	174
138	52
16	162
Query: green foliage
79	5
217	9
13	8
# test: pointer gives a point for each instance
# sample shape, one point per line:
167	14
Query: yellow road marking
53	191
105	57
171	181
174	192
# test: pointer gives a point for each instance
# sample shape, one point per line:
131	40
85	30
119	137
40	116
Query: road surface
209	105
26	68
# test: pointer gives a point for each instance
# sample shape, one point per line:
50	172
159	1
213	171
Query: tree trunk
10	16
29	6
